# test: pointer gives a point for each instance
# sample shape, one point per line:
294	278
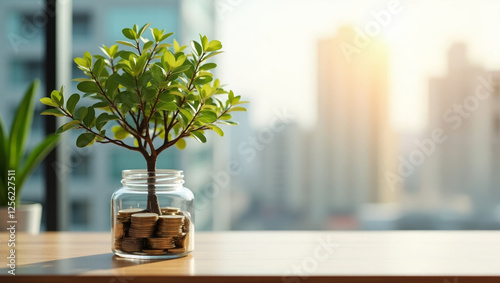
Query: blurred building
354	145
465	103
94	173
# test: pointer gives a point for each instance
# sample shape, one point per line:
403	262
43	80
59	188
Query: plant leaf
216	129
207	117
208	66
88	87
57	97
70	125
85	139
103	119
53	112
126	43
120	133
214	45
196	47
48	101
21	126
168	106
72	101
89	118
238	108
199	136
181	144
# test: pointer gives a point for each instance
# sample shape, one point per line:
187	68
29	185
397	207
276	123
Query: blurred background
364	115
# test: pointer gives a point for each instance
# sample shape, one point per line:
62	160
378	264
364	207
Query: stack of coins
124	214
170	226
142	225
132	244
154	252
169	210
160	243
118	244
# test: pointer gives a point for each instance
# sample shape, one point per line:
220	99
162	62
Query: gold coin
176	250
154	252
130	211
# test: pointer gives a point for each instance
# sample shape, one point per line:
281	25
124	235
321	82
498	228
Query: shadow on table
76	265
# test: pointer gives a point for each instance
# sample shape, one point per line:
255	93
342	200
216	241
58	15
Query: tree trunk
153	205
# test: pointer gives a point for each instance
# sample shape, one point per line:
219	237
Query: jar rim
162	177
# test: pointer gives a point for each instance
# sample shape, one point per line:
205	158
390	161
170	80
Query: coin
176	250
131	244
130	211
154	252
169	210
119	230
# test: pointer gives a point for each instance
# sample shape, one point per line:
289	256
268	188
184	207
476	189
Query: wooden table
420	256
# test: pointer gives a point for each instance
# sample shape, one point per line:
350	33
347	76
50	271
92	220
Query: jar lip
164	177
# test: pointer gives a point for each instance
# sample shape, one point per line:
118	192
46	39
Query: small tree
155	94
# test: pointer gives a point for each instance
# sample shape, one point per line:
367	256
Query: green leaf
141	62
89	119
180	60
88	87
168	59
98	67
53	112
87	56
196	47
3	149
199	136
72	101
143	29
216	129
178	48
202	80
120	133
81	62
49	102
57	97
129	33
207	117
185	114
231	123
234	109
103	119
112	50
225	117
167	106
85	139
165	36
212	54
181	144
80	113
125	80
147	45
208	66
126	43
204	42
214	45
70	125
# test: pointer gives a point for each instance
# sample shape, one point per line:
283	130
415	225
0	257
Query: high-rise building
354	142
465	103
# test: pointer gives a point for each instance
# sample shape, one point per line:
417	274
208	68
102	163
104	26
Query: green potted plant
16	165
154	93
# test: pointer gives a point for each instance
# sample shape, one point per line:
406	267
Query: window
81	26
23	71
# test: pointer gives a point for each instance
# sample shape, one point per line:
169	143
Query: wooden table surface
392	256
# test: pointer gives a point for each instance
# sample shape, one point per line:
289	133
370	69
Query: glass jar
138	232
